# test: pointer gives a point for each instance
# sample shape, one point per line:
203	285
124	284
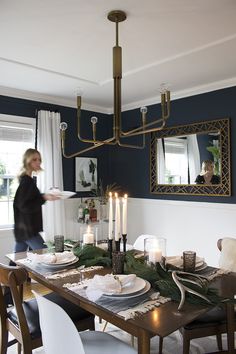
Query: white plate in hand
65	194
138	285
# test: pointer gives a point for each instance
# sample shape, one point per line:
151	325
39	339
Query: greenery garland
162	281
160	278
90	256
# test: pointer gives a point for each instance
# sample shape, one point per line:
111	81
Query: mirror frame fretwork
222	189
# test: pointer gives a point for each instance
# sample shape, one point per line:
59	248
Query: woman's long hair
205	165
27	158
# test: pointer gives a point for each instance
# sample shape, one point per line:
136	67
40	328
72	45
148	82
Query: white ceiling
48	48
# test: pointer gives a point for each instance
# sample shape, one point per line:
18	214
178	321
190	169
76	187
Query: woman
207	174
28	205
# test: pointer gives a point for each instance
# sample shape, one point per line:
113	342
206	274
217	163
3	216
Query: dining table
160	321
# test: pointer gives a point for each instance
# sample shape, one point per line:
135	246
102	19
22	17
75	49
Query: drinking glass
59	243
118	259
189	261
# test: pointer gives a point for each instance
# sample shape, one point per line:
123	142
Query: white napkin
51	258
108	284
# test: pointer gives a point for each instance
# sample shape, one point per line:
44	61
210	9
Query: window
176	161
17	134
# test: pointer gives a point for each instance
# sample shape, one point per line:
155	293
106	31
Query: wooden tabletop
161	321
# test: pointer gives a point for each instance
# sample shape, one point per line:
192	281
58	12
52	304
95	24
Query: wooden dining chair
212	323
60	336
22	320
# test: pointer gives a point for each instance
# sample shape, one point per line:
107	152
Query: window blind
20	133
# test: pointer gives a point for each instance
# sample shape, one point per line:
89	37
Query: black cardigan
214	179
27	209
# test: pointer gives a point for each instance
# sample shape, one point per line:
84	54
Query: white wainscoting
185	225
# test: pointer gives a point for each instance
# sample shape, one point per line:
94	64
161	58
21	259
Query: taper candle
124	215
117	218
110	224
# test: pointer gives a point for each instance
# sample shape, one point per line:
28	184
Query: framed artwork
85	174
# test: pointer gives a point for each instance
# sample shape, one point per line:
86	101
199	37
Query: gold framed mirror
192	159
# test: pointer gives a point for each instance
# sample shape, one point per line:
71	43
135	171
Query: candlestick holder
117	243
110	241
124	238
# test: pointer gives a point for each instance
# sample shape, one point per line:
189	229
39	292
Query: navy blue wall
131	168
27	108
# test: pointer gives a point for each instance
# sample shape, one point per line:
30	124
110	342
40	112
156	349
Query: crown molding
61	101
196	90
67	102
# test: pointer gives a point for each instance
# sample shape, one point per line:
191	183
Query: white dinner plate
139	293
62	264
177	262
203	266
139	284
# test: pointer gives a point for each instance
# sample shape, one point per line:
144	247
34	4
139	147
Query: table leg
230	327
143	342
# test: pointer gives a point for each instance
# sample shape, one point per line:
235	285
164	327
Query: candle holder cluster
115	246
117	226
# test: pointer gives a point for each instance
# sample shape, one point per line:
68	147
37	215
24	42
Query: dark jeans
34	243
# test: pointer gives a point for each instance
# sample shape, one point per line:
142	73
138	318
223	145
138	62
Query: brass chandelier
118	132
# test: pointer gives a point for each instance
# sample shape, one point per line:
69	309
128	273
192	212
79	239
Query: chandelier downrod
118	16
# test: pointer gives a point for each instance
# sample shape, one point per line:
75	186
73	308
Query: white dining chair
60	336
227	246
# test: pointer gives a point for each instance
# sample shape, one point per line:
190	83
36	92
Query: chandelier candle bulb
117	218
88	237
110	221
124	215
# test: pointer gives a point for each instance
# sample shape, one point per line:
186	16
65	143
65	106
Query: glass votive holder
189	261
59	243
154	250
118	260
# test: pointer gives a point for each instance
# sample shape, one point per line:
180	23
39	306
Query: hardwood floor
34	286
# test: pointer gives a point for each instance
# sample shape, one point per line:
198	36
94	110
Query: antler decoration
178	277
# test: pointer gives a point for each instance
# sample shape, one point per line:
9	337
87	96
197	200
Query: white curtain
50	149
160	162
193	157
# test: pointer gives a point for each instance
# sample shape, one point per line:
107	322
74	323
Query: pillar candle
88	237
110	224
117	218
154	255
124	215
